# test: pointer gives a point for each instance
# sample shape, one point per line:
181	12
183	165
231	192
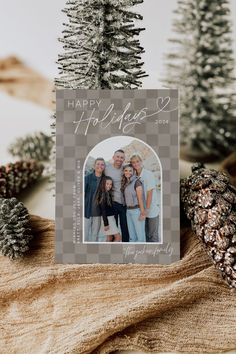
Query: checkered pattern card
117	176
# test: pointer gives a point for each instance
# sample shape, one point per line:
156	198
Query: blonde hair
124	181
135	155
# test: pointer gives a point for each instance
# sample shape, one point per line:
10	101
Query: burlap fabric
47	308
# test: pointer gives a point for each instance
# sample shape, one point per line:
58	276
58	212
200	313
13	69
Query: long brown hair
103	195
124	181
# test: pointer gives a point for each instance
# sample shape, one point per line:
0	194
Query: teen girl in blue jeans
132	188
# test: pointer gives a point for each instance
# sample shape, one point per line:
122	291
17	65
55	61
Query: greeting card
117	176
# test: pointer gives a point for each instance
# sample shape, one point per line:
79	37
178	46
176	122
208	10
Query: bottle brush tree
101	46
201	65
101	49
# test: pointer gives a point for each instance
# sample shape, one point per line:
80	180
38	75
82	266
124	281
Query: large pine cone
14	232
32	147
14	177
209	201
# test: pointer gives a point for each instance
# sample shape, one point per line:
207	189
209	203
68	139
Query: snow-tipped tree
201	64
101	46
101	49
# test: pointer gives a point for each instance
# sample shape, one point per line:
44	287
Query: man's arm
86	184
148	202
151	185
139	191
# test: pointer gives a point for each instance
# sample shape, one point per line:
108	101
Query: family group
120	201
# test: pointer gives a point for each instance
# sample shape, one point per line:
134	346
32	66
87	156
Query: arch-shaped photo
122	193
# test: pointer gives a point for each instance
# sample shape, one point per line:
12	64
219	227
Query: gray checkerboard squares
160	132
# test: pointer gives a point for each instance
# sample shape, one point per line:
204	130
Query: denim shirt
90	184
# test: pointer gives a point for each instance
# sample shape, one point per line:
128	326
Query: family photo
122	193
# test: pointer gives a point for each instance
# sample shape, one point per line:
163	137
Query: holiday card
117	176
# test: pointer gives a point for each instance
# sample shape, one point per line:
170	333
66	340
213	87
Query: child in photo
133	191
105	202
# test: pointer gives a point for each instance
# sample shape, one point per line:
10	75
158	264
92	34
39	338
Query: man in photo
115	172
92	222
150	195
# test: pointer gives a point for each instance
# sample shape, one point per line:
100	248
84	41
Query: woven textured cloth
47	308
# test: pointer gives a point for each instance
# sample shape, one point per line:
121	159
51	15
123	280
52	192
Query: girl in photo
105	202
132	188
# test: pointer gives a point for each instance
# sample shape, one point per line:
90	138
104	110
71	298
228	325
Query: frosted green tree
201	64
101	49
101	46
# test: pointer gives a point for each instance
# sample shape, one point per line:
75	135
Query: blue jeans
136	227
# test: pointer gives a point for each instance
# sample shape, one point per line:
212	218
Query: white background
29	29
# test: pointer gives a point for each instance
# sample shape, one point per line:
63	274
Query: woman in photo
132	188
105	202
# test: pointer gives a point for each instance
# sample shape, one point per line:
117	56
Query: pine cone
14	177
33	147
14	232
209	201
